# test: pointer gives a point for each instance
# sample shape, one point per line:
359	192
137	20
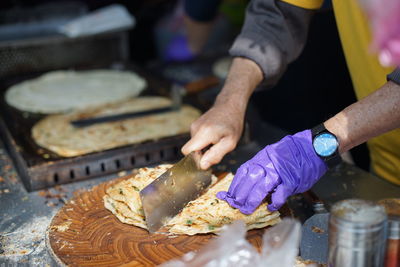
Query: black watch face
325	144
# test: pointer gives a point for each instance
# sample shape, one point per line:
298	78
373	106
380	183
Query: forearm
244	76
197	33
222	125
374	115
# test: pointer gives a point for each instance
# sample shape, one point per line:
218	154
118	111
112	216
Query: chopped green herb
214	202
226	219
120	191
134	187
211	227
189	222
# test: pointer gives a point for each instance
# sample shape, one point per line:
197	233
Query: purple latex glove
285	168
178	50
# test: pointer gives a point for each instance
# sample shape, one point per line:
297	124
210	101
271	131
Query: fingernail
183	149
204	164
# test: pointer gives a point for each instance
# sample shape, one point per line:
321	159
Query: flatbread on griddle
57	134
65	91
206	214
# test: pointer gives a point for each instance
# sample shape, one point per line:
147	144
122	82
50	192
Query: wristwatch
326	145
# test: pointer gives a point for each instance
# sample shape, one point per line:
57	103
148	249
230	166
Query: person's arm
291	165
272	36
376	114
222	125
199	20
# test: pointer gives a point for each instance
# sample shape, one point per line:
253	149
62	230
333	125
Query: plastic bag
280	248
384	18
281	244
230	249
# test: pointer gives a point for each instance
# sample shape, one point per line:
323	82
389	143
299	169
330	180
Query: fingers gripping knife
166	196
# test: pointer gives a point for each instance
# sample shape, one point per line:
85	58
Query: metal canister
357	234
392	207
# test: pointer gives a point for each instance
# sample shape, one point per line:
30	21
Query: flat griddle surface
40	168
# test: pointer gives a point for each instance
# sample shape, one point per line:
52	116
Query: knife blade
176	97
166	196
129	115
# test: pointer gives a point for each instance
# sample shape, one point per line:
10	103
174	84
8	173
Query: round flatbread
64	91
206	214
57	134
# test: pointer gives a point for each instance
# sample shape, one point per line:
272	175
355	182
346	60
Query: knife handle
201	84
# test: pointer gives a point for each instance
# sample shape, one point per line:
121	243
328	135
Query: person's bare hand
221	127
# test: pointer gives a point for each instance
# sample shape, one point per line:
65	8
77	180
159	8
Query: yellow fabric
308	4
367	76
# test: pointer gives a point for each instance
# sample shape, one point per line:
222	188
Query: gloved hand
285	168
178	50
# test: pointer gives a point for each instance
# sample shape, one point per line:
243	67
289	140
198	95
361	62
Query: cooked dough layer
57	134
65	91
206	214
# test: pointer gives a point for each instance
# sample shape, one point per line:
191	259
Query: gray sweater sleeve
273	35
394	76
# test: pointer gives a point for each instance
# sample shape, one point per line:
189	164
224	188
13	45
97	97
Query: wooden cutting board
84	233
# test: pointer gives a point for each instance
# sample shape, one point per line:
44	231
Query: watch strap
333	160
320	128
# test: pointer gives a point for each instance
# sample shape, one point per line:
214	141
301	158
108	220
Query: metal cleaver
166	196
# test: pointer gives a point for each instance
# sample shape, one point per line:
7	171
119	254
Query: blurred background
306	95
